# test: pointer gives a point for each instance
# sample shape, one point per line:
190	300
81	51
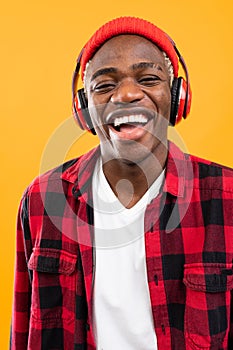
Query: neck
130	181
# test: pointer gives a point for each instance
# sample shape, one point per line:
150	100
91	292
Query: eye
103	87
149	80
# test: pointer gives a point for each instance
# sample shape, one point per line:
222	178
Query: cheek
167	103
164	97
97	109
97	102
162	100
94	107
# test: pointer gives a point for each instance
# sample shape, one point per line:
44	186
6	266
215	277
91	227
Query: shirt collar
175	171
80	173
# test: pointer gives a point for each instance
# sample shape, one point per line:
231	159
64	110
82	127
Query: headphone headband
188	90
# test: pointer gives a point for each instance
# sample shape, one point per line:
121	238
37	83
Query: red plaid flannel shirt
189	252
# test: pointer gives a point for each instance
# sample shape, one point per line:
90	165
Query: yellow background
39	44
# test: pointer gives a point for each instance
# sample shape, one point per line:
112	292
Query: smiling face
128	92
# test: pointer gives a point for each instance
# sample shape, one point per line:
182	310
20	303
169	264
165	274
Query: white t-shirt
122	308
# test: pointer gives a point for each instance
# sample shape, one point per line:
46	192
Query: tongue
128	127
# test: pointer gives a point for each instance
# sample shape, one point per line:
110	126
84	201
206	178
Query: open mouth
131	122
128	123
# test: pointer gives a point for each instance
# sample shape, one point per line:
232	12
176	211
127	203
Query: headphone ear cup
175	92
179	108
81	113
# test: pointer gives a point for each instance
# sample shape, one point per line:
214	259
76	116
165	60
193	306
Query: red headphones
180	90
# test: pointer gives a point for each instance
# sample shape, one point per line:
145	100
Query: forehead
126	48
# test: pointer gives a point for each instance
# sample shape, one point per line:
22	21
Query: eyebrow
140	65
103	71
143	65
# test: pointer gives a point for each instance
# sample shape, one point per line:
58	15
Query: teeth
138	118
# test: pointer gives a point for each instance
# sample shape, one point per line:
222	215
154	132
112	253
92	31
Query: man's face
128	92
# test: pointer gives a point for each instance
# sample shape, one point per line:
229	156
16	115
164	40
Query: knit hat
129	25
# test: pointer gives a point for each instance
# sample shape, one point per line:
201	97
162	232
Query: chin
135	153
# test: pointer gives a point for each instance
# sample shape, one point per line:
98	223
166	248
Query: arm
22	285
230	338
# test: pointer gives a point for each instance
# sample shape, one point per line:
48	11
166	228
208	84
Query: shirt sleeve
230	338
22	284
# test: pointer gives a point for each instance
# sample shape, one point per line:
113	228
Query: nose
128	91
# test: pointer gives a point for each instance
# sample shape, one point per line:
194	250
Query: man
130	246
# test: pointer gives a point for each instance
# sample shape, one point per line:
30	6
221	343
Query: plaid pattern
189	253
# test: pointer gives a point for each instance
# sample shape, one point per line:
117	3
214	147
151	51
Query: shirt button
156	280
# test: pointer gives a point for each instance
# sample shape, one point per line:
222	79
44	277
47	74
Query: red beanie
129	25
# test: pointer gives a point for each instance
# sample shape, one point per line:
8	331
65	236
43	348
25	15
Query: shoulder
58	179
211	175
197	173
50	177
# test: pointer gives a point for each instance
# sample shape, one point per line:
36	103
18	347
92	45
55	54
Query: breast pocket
53	287
207	311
